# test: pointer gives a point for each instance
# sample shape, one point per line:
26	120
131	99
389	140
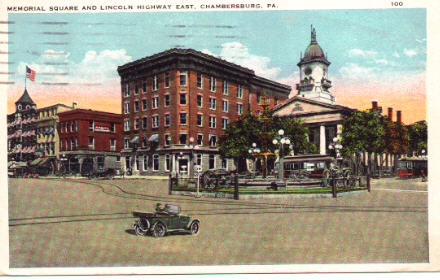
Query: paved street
88	223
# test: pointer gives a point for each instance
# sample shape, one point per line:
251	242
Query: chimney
390	113
74	104
399	116
374	104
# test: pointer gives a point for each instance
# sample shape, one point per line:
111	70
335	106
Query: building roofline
176	51
79	110
311	101
53	106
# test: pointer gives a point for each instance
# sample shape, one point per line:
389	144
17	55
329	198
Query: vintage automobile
164	220
212	179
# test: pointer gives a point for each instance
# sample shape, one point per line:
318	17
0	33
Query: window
212	122
167	139
225	87
126	108
100	162
91	142
144	141
155	102
144	86
183	98
200	101
145	162
182	118
136	160
155	162
225	123
212	83
127	125
239	109
167	120
112	144
76	144
136	106
136	88
155	121
212	103
167	100
199	120
199	160
199	80
225	106
137	124
144	123
224	163
167	79
275	101
71	126
259	98
126	143
72	144
182	78
91	126
127	90
128	163
212	140
155	82
112	127
66	145
182	138
144	104
211	161
200	139
167	162
240	91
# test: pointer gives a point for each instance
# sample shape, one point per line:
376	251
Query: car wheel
194	227
159	230
139	231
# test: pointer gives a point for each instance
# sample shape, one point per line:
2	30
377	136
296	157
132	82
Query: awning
135	140
154	138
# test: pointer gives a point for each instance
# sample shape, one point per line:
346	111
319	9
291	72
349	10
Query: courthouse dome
314	51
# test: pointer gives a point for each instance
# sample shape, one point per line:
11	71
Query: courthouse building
177	103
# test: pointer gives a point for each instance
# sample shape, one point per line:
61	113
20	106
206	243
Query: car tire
158	230
139	231
194	227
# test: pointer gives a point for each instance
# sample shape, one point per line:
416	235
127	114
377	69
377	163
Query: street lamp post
281	141
337	146
254	151
191	146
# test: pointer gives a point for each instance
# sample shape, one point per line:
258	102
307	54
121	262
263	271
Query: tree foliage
249	129
363	131
396	138
418	136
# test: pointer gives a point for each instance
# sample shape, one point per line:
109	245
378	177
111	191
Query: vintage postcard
148	137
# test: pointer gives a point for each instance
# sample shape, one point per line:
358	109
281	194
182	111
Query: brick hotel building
177	103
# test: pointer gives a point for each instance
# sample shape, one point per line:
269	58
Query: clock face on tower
308	71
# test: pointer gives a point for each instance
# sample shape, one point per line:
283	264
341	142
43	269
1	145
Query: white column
322	148
174	169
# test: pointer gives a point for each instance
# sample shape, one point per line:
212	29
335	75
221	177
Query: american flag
30	74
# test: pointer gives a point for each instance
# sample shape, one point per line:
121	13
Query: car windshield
172	209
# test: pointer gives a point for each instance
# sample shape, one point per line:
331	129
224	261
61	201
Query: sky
375	54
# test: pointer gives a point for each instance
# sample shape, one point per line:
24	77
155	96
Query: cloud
238	53
362	53
421	40
396	54
381	61
354	71
410	52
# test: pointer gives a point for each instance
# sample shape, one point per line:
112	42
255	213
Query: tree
363	131
249	129
239	137
418	137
